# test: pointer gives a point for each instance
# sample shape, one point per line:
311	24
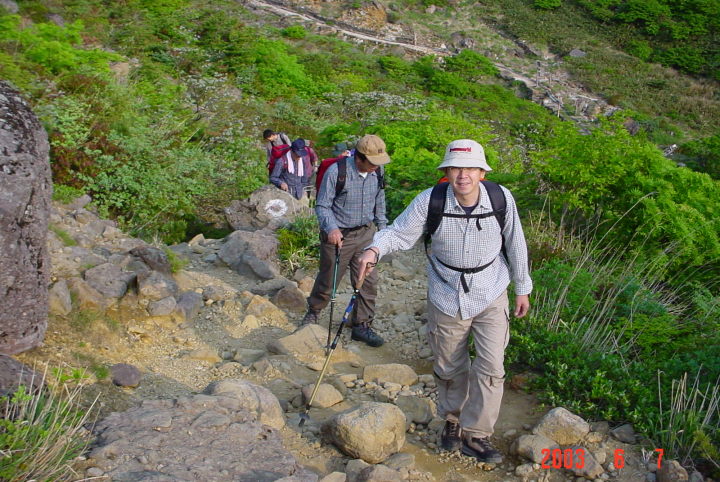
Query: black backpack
436	211
342	176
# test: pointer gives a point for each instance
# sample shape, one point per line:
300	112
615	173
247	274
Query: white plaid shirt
458	242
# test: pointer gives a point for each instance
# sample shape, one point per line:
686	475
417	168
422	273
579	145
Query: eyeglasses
468	170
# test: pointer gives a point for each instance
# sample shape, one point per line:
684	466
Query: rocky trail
215	391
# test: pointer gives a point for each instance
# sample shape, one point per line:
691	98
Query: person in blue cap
292	172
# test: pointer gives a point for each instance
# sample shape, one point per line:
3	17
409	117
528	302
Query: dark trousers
353	244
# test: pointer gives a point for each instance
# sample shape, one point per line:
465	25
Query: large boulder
254	398
267	207
562	426
196	438
25	192
371	431
251	253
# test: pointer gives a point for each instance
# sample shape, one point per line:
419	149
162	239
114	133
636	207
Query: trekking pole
304	416
333	295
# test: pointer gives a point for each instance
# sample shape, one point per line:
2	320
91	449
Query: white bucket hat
465	153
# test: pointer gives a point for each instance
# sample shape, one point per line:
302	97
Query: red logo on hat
461	149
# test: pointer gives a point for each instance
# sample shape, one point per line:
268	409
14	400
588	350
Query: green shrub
547	4
176	262
294	32
65	194
66	239
471	65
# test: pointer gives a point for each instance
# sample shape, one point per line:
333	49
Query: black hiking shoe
310	317
482	449
450	439
366	334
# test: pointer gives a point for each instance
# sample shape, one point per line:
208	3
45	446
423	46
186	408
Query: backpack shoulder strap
436	206
342	176
497	201
381	177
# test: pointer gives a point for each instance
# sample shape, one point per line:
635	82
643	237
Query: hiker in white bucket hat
478	247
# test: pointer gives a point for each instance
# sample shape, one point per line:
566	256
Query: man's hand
367	261
335	237
522	305
283	186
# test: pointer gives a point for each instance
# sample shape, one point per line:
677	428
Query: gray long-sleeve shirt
459	243
360	202
296	184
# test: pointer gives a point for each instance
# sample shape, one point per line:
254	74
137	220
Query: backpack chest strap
464	271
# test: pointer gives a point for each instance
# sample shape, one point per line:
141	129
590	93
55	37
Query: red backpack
276	153
342	174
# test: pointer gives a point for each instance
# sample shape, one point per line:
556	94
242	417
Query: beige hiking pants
470	394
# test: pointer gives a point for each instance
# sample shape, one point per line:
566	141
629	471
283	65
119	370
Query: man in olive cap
477	249
349	215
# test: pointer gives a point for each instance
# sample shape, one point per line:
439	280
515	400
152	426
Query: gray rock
188	305
254	398
624	433
371	431
154	258
401	460
251	253
577	53
524	470
59	300
25	191
125	375
218	293
13	374
271	287
532	447
163	307
307	341
326	395
194	438
671	471
109	279
562	426
266	207
86	297
334	477
290	298
155	285
590	469
354	467
247	356
391	372
416	409
378	473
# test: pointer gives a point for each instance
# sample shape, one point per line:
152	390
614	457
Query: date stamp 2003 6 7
575	458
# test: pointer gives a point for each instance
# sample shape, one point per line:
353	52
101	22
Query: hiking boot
450	439
310	317
366	334
482	449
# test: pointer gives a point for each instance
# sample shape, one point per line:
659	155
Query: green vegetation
298	244
66	239
41	431
625	244
176	262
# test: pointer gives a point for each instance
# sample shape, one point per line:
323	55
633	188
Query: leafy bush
547	4
471	65
294	32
